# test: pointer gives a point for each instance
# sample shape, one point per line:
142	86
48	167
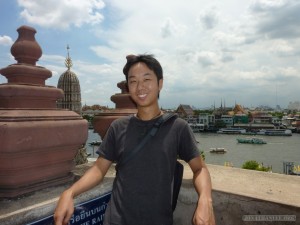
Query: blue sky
244	52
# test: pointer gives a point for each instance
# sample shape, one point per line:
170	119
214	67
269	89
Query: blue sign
86	213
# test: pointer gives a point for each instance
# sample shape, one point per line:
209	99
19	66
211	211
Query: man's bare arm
204	211
65	205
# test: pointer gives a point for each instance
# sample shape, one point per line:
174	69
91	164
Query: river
277	150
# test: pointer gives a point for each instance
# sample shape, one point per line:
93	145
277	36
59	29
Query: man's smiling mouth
142	96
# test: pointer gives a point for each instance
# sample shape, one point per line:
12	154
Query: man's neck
148	113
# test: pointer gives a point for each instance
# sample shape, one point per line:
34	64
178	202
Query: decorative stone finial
68	61
130	57
39	140
26	49
123	86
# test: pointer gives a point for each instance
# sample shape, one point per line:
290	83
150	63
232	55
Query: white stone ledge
236	192
274	187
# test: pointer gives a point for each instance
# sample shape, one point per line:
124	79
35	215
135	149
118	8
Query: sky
235	52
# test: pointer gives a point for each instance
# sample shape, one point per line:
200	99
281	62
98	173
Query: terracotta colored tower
38	142
124	106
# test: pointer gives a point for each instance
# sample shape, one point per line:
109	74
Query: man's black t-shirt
142	189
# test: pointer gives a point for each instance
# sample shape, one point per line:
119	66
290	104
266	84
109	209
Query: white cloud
200	66
228	39
62	14
282	48
6	40
206	58
209	19
235	50
106	52
169	28
53	58
276	19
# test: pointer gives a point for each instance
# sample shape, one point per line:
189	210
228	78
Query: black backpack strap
164	118
125	158
177	180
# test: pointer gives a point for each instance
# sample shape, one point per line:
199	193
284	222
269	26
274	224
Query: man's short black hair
149	60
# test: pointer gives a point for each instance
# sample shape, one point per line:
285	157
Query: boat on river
275	132
218	150
197	127
251	141
96	143
232	130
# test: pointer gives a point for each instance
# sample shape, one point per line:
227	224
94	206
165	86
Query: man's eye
132	81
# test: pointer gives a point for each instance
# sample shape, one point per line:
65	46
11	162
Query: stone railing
238	195
243	196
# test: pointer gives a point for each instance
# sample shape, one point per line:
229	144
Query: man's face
143	86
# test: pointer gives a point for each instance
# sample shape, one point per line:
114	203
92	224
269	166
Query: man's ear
160	84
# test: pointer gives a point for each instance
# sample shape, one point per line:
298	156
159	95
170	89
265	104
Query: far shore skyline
244	52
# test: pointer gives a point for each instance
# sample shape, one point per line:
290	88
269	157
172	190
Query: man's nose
140	85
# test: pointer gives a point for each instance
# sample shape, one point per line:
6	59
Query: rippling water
92	137
277	150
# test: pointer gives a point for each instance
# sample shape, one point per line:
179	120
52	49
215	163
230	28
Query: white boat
218	150
251	140
275	132
97	143
232	130
197	127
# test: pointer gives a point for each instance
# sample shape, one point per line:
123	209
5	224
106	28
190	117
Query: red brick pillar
124	106
38	142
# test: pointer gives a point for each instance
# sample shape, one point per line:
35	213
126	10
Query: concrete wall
236	193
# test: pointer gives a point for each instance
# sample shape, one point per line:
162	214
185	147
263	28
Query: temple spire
68	61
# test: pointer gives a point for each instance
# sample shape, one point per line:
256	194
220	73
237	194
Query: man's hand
64	209
204	214
65	206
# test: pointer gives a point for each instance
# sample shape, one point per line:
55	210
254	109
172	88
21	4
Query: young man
142	192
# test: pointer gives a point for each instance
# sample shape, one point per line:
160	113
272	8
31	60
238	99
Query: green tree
202	154
254	165
278	114
220	124
88	118
250	165
198	111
